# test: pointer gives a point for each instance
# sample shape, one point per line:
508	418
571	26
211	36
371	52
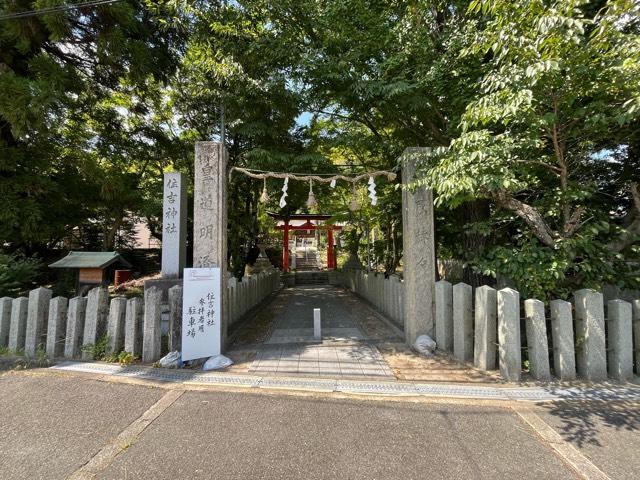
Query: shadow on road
580	417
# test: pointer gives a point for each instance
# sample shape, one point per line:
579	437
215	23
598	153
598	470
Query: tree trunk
474	242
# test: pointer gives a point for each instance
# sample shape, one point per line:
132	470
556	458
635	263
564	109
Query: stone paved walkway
343	352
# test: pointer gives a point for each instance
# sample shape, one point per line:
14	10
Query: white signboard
201	313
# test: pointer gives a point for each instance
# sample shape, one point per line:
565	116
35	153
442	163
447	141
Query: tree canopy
530	109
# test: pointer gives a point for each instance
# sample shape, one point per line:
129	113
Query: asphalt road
51	425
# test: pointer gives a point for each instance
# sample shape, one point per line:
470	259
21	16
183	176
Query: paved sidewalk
343	352
295	321
359	360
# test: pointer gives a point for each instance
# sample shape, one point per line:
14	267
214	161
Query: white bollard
317	334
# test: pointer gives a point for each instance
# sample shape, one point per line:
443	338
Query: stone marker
5	320
116	324
591	350
418	251
317	333
175	318
133	327
37	320
509	354
174	225
564	356
537	341
75	326
486	325
444	315
210	216
636	333
151	332
620	351
18	328
56	327
463	322
95	323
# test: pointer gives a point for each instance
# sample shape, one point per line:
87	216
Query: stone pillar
418	251
75	326
175	318
18	328
463	322
509	354
37	320
151	334
590	337
95	323
5	320
133	327
636	333
620	351
116	324
56	327
210	217
564	356
486	324
174	225
537	342
444	315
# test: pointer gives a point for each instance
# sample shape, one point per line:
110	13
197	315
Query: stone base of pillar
162	284
352	263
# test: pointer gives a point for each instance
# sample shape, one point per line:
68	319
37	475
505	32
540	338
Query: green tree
550	139
57	71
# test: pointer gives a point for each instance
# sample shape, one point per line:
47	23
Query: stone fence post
5	320
56	327
95	322
590	335
151	331
133	326
564	358
37	320
444	315
175	318
19	308
510	357
76	313
636	332
116	325
537	341
486	324
463	322
620	354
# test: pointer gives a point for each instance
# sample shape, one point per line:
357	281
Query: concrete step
312	278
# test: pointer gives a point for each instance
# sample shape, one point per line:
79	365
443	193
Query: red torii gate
307	225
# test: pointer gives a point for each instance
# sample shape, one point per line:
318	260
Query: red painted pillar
330	258
285	248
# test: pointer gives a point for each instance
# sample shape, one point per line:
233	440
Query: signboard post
201	308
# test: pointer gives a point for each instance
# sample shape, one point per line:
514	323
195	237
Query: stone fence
386	294
72	328
566	339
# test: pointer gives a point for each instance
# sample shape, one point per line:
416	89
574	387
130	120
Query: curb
526	394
